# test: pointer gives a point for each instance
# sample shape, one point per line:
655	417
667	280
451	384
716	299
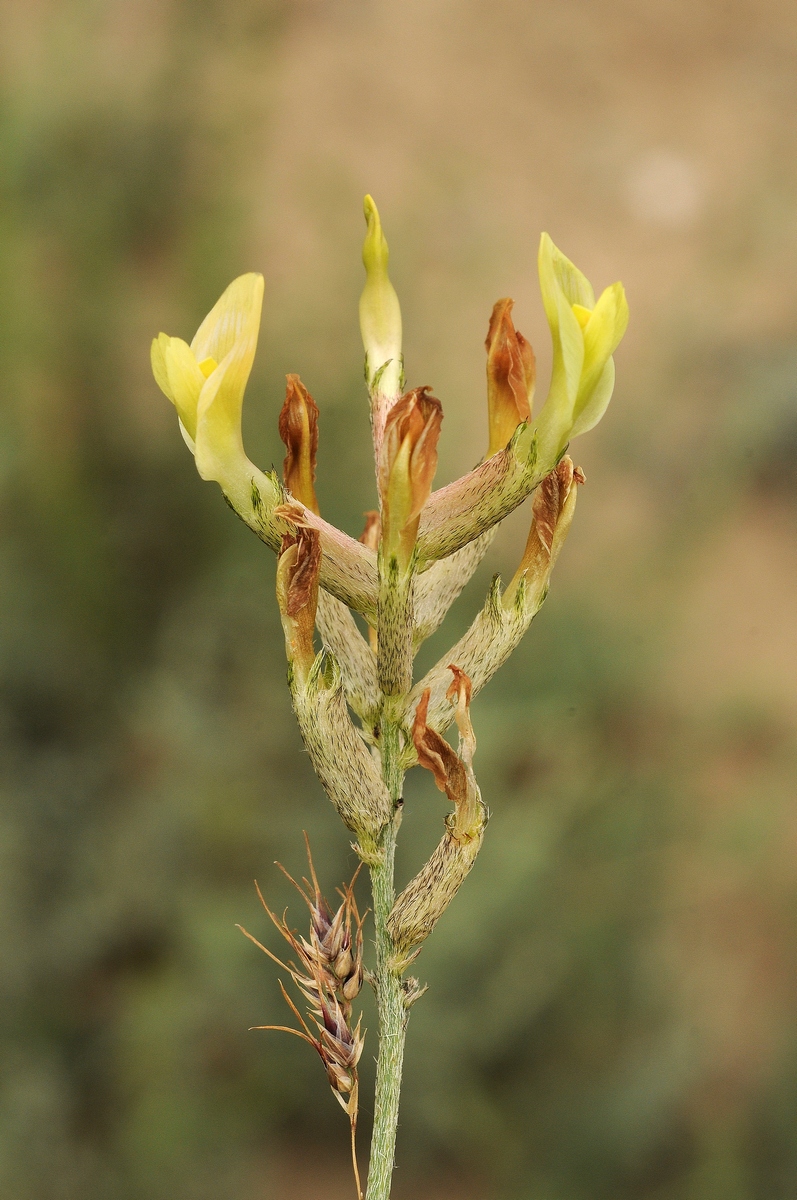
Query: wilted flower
552	511
407	465
298	428
425	899
511	373
297	595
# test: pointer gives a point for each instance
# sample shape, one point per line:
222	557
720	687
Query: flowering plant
417	552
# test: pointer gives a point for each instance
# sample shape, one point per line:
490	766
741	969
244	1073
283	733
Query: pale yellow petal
231	315
597	403
570	347
186	436
575	286
602	335
220	453
185	381
158	361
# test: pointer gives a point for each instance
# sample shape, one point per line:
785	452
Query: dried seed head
511	373
298	428
328	973
407	464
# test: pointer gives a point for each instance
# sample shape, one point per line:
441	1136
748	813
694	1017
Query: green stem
390	995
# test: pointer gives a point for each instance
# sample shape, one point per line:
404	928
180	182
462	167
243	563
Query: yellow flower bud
380	325
510	376
585	335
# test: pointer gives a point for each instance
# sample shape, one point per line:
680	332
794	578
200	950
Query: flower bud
511	373
407	464
380	325
585	335
297	595
298	428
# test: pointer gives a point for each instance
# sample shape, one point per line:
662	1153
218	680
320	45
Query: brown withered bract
435	754
298	428
302	577
548	504
511	372
453	773
297	594
426	897
460	689
407	465
373	529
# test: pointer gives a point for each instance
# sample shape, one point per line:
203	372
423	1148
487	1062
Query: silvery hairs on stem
363	721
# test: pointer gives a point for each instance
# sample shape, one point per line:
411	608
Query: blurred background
612	999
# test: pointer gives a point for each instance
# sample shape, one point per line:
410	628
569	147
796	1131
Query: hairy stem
389	992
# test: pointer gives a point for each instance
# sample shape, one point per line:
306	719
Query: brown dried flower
407	464
552	512
297	594
511	373
298	428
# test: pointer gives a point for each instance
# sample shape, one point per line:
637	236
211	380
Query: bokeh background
612	1000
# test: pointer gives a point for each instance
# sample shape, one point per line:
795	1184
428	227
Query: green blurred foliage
611	1002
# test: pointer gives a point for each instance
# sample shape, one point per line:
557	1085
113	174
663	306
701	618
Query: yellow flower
206	380
585	335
